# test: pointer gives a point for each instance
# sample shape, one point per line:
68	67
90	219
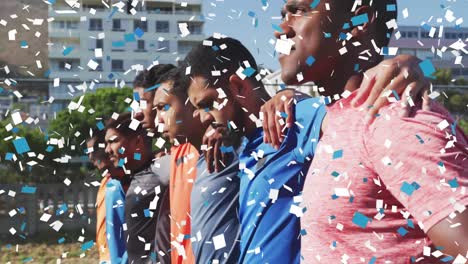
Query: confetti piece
359	19
360	220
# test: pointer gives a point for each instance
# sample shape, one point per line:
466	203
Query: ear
361	31
236	85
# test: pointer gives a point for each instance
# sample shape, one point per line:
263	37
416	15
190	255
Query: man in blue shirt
269	178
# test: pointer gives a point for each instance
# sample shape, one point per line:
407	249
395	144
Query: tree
98	107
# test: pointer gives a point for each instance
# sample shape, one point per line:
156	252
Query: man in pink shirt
395	190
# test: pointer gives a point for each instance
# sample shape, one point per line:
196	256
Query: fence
41	208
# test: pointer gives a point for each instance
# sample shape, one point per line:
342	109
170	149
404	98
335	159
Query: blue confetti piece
303	232
351	199
167	107
373	260
277	28
87	245
227	149
338	154
51	1
407	188
21	145
427	68
118	44
248	71
139	32
315	3
327	35
136	97
9	156
129	37
178	122
137	156
391	8
420	139
28	259
61	240
23	226
359	19
156	86
446	259
334	197
453	183
310	60
360	220
62	209
50	149
364	179
395	94
67	51
24	44
346	26
121	163
100	125
147	213
251	14
426	27
335	174
28	189
402	231
410	223
121	150
264	2
47	73
343	36
283	115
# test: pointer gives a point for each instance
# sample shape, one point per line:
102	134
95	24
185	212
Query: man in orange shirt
176	122
100	160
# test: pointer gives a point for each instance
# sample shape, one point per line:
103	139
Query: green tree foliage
98	107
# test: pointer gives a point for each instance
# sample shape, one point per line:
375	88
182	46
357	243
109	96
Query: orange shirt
101	240
183	173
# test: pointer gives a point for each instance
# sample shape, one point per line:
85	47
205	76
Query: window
99	44
95	24
449	35
140	45
117	65
425	35
194	28
61	65
163	46
162	26
140	24
117	25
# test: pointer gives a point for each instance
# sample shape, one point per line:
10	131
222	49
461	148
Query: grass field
47	249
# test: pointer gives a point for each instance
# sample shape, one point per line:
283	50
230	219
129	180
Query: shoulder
310	109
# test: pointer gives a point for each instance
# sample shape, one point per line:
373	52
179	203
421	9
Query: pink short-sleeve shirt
373	191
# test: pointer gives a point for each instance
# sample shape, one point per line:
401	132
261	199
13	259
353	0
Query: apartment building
94	43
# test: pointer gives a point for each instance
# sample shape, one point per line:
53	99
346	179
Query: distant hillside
21	60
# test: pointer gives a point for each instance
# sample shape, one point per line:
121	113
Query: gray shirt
214	211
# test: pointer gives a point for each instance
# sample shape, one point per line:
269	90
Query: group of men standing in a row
255	179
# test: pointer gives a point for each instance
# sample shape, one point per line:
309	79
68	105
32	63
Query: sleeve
115	200
423	161
309	114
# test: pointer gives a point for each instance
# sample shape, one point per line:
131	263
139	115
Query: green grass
45	248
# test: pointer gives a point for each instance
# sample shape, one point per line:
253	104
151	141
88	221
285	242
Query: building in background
94	43
420	42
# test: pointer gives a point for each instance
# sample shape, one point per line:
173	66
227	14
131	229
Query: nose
286	28
159	117
139	116
108	149
206	117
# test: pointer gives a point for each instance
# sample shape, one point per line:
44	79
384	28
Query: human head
144	80
96	153
318	33
125	146
175	115
223	83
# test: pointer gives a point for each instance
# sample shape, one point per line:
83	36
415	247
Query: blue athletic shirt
115	217
269	181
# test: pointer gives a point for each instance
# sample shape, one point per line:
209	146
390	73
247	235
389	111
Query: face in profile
174	117
98	156
147	114
213	109
314	33
121	147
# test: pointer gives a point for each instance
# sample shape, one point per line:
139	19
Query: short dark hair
382	13
98	137
122	125
224	54
151	77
